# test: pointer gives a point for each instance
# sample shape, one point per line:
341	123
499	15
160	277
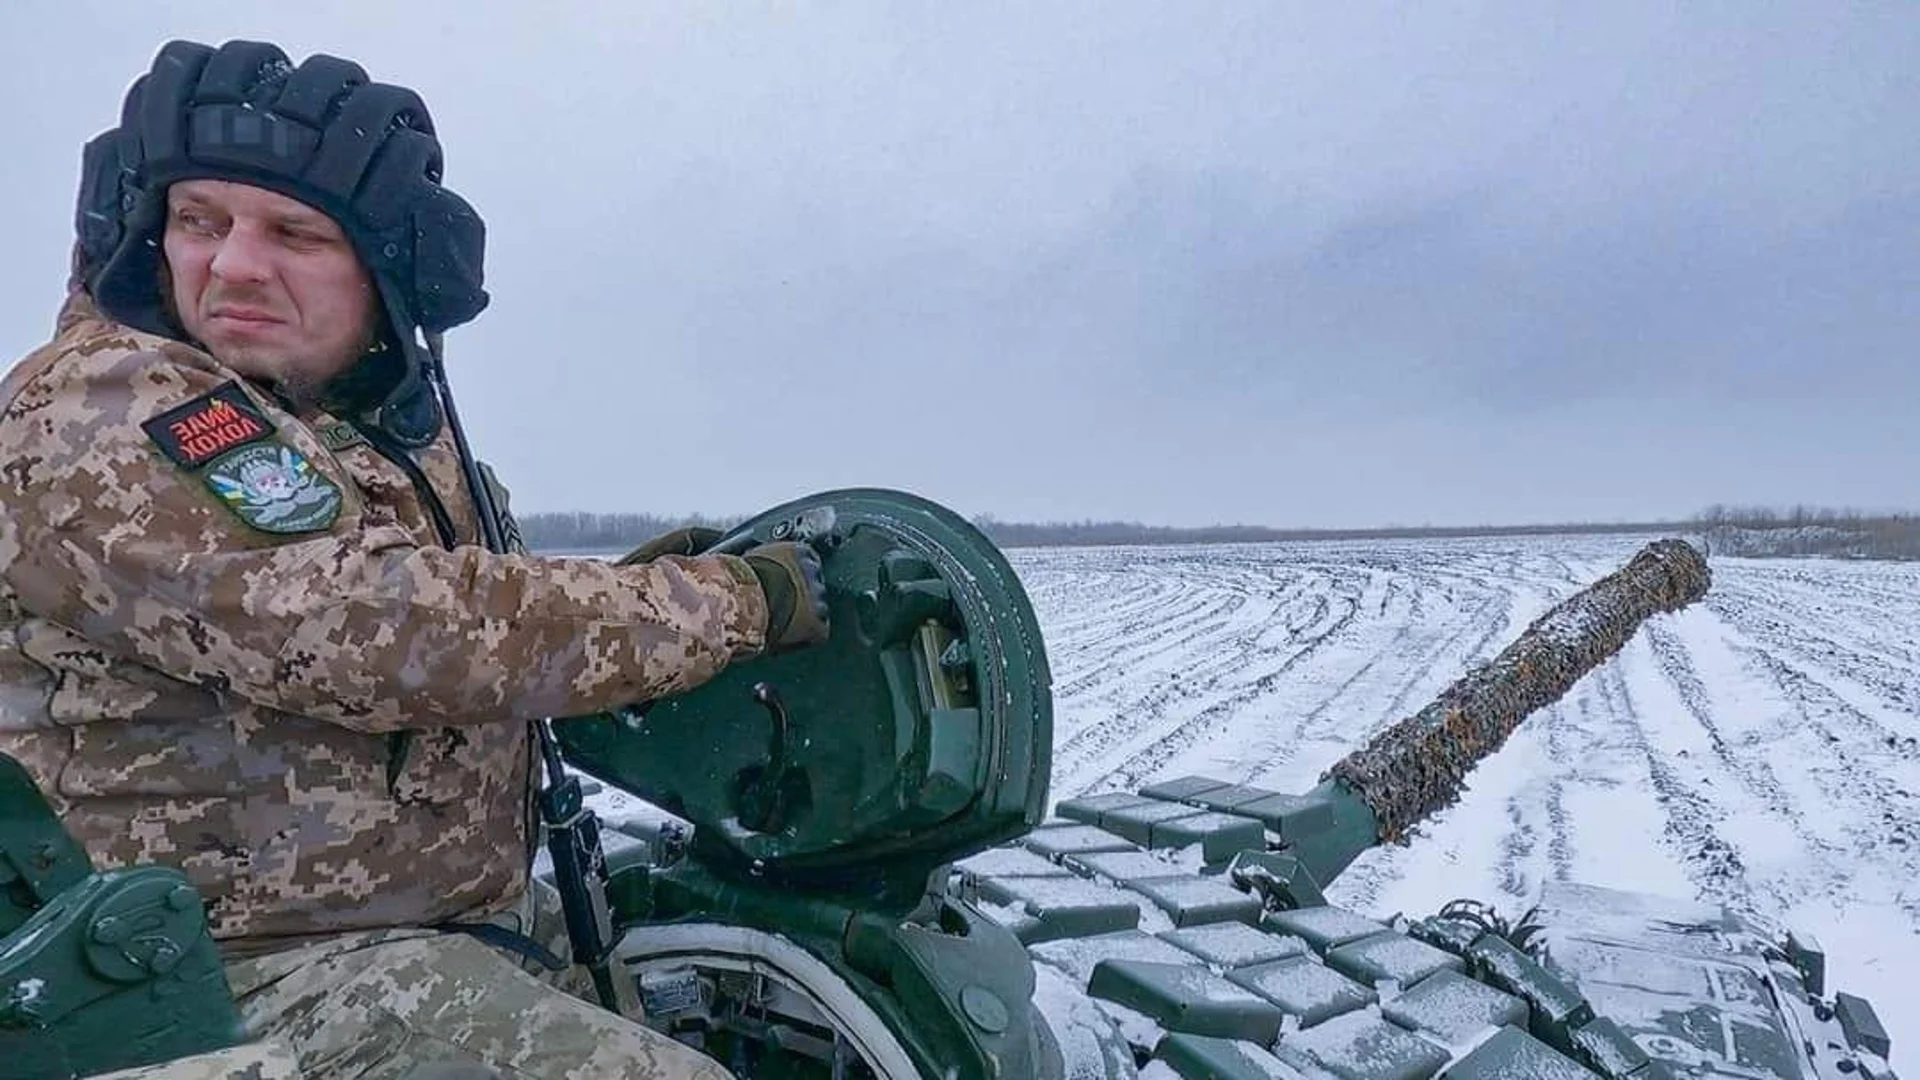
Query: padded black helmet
363	153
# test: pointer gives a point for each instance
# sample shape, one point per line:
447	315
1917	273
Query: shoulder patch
208	426
340	434
272	487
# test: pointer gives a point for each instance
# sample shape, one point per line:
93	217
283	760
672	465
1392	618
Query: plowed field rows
1760	749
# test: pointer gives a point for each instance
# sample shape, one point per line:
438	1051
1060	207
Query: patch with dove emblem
273	488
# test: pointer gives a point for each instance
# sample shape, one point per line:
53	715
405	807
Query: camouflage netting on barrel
1417	766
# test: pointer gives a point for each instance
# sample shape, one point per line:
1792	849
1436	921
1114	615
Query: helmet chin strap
433	368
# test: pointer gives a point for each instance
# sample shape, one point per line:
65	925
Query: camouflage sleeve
323	609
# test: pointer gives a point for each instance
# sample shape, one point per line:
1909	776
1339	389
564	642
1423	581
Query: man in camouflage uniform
247	624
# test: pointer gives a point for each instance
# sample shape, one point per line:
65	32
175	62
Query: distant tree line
1803	530
587	532
1089	533
582	531
1723	530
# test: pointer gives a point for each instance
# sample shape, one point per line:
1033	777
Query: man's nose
241	256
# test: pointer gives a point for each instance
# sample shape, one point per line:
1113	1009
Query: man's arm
104	531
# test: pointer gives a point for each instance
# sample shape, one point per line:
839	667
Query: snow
1405	959
1134	1026
1131	866
1090	1044
1205	894
1011	862
1455	1007
1235	944
1203	985
1306	986
1079	956
1328	924
1360	1043
1760	749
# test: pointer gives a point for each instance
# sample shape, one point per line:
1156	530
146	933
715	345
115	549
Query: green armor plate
920	732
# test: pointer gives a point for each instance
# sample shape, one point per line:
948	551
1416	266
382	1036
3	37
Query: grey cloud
1296	265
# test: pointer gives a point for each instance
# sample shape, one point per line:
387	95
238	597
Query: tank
844	862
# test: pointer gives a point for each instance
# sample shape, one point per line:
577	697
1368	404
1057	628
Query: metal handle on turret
815	526
763	796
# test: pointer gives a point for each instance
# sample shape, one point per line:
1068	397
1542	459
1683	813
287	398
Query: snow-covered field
1760	748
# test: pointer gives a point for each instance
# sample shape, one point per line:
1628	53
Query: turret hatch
921	732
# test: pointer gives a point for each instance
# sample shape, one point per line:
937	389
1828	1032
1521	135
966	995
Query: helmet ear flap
450	247
131	285
407	410
107	192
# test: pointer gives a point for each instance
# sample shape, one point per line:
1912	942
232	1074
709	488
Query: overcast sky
1302	264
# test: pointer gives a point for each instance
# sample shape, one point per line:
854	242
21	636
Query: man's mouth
244	315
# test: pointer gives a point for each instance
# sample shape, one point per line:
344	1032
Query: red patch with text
208	426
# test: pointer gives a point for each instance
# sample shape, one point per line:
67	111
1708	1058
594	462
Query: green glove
689	541
796	589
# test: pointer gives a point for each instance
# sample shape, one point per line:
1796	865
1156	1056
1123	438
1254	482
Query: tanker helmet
364	153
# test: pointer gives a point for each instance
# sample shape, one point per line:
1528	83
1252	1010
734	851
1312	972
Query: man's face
269	285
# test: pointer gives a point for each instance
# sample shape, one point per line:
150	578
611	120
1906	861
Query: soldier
248	626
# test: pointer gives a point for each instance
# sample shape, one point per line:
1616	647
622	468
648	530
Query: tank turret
844	863
1194	914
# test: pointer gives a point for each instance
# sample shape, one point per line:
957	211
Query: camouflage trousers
381	1005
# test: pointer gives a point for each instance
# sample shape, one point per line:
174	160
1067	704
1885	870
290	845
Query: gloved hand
688	541
796	589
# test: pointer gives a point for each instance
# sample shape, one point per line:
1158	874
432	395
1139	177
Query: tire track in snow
1334	614
1135	712
1801	636
1820	864
1852	705
1377	693
1541	807
1123	647
1767	745
1205	620
1712	864
1133	706
1583	743
1309	724
1753	774
1883	815
1444	664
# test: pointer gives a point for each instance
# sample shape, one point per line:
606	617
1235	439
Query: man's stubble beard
289	378
298	390
302	393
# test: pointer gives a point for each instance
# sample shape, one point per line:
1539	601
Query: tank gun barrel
1419	765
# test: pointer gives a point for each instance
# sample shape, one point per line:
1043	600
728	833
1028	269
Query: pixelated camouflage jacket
214	617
